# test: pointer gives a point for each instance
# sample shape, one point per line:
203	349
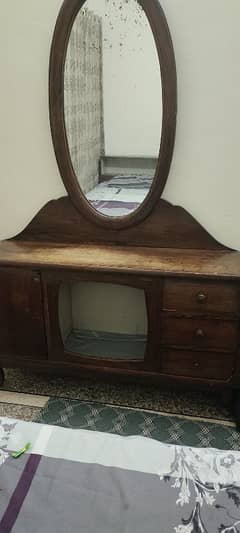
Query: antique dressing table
190	282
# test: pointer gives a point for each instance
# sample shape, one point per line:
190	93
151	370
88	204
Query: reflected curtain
83	95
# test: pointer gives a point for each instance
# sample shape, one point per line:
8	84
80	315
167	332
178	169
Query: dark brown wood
67	276
57	351
122	260
167	226
52	282
51	309
197	364
161	33
218	335
202	298
153	296
133	366
78	369
22	331
236	407
2	377
202	350
200	334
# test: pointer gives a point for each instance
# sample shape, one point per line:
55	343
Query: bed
124	182
84	481
120	195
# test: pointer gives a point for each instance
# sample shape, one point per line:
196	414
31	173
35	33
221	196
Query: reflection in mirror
113	104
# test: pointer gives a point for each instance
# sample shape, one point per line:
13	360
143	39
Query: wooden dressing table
191	282
192	298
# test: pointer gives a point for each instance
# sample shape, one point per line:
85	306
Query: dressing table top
109	258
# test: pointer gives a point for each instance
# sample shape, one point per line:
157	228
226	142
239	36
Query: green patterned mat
123	421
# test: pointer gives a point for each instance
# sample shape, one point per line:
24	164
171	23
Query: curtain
83	98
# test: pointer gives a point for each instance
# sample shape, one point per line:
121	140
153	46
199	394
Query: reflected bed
120	195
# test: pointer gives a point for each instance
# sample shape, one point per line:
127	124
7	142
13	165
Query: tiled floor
23	399
20	412
21	406
194	404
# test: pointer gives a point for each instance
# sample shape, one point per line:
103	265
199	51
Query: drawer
199	333
213	365
200	297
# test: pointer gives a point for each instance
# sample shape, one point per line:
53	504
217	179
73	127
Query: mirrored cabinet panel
113	104
99	321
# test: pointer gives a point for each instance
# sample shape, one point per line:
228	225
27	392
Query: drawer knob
201	297
199	333
196	364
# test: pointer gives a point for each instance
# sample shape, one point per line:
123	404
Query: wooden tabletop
135	260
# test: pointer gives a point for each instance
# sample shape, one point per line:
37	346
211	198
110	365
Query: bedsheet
121	195
82	481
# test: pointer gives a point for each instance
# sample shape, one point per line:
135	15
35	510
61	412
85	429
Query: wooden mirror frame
161	33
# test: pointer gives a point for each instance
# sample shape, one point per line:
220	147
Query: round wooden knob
196	364
199	333
201	297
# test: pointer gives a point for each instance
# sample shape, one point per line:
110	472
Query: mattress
120	195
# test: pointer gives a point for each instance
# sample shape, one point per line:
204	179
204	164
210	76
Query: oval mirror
113	106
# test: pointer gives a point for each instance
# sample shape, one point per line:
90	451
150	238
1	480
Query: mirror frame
163	41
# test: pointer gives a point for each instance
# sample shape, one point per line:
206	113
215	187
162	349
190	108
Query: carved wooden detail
166	227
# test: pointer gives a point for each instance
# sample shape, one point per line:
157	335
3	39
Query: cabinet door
22	331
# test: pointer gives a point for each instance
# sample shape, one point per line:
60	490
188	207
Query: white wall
131	80
112	308
204	177
102	307
29	174
131	74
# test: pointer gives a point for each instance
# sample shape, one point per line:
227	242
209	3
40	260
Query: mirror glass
113	104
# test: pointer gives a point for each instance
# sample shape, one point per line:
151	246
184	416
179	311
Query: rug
191	419
100	417
140	396
178	430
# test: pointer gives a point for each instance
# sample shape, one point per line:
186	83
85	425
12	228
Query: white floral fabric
130	484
